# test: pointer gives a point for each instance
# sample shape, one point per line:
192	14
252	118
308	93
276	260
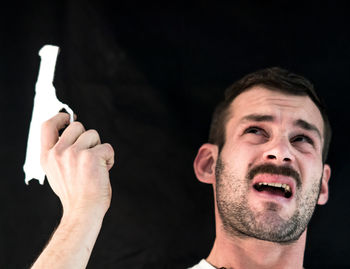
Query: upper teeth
286	187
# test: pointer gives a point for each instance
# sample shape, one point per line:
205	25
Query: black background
147	77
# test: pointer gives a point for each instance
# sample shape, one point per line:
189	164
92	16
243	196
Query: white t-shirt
203	264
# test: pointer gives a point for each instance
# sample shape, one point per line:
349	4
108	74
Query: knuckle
93	133
72	152
56	152
109	149
87	156
78	125
73	149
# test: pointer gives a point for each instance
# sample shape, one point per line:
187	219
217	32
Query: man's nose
279	151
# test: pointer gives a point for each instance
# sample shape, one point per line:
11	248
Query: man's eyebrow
300	123
257	117
307	126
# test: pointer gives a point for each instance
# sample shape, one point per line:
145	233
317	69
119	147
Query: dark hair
275	79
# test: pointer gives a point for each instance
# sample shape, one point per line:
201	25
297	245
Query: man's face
268	174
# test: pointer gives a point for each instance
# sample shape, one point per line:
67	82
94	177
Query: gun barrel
48	56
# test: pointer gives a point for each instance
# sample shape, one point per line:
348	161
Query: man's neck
238	252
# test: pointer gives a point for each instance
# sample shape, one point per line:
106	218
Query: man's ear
205	162
323	198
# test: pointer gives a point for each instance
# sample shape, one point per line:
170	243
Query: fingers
70	135
106	153
50	129
74	135
88	140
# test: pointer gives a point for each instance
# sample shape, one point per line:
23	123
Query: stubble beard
239	219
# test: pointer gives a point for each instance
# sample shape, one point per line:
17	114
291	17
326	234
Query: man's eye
254	130
302	139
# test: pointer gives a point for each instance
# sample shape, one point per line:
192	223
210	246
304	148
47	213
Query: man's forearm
71	244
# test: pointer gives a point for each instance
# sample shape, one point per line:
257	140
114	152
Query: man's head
266	163
275	79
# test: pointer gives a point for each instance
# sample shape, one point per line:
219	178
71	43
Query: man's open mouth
279	189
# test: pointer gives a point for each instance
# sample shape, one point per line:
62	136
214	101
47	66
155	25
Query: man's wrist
83	216
73	240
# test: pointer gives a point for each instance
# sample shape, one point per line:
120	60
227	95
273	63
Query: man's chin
270	226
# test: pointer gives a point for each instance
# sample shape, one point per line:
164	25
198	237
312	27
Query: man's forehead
278	105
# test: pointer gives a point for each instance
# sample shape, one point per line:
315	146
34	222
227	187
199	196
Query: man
269	140
266	162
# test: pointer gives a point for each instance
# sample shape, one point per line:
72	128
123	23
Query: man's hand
77	165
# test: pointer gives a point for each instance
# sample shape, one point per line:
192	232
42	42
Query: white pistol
46	105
